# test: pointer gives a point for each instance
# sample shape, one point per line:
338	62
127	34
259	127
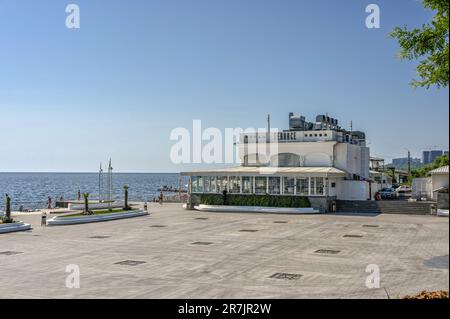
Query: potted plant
86	204
126	206
7	218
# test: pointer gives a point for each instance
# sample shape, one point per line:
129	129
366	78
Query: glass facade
319	186
235	184
213	184
274	185
302	186
222	183
260	185
288	185
207	184
247	185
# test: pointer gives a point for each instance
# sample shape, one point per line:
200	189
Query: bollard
433	209
145	206
44	219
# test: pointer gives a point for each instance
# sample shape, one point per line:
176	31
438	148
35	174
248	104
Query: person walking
161	198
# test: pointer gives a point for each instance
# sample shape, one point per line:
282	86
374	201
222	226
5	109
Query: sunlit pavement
187	254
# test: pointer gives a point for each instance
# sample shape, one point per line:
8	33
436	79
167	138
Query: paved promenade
187	254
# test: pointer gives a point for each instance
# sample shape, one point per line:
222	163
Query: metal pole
409	162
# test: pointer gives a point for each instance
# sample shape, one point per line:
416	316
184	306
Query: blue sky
135	70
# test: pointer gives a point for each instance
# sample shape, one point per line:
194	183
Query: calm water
31	189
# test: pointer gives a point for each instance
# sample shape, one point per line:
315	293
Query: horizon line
81	172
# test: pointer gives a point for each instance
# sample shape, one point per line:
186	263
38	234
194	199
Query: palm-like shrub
86	204
125	190
7	218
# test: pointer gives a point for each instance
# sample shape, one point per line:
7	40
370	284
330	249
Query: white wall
353	190
316	154
421	187
438	181
352	158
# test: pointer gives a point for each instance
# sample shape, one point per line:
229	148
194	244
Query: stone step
388	207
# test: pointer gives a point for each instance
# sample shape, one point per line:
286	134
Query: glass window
312	186
200	184
207	184
247	184
274	185
235	184
213	184
319	186
260	185
222	182
288	185
194	184
302	186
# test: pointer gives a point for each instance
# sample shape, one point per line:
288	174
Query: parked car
403	189
388	193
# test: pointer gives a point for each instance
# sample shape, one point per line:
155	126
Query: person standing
79	195
49	202
161	198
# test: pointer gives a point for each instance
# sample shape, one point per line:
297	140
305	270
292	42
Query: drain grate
353	236
158	226
9	253
327	251
201	218
205	243
249	230
374	226
282	275
130	262
100	237
280	222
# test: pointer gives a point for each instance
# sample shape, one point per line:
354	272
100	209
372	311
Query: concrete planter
60	220
13	227
256	209
442	212
77	206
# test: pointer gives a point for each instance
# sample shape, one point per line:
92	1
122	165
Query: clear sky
135	70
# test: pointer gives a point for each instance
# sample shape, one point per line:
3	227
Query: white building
429	187
318	160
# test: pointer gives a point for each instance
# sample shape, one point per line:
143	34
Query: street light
409	161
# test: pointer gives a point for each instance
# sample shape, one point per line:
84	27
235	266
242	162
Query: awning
283	171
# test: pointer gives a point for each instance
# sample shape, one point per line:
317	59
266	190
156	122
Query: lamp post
409	161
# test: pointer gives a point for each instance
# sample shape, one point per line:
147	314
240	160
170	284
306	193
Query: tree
429	42
424	170
125	189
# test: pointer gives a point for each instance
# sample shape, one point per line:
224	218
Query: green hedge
256	200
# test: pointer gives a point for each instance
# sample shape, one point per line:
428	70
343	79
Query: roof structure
287	171
440	170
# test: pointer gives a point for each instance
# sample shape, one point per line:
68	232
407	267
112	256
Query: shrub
256	200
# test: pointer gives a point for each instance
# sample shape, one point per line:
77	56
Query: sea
31	190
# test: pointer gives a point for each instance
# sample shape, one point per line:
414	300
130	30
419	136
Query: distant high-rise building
429	156
403	162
